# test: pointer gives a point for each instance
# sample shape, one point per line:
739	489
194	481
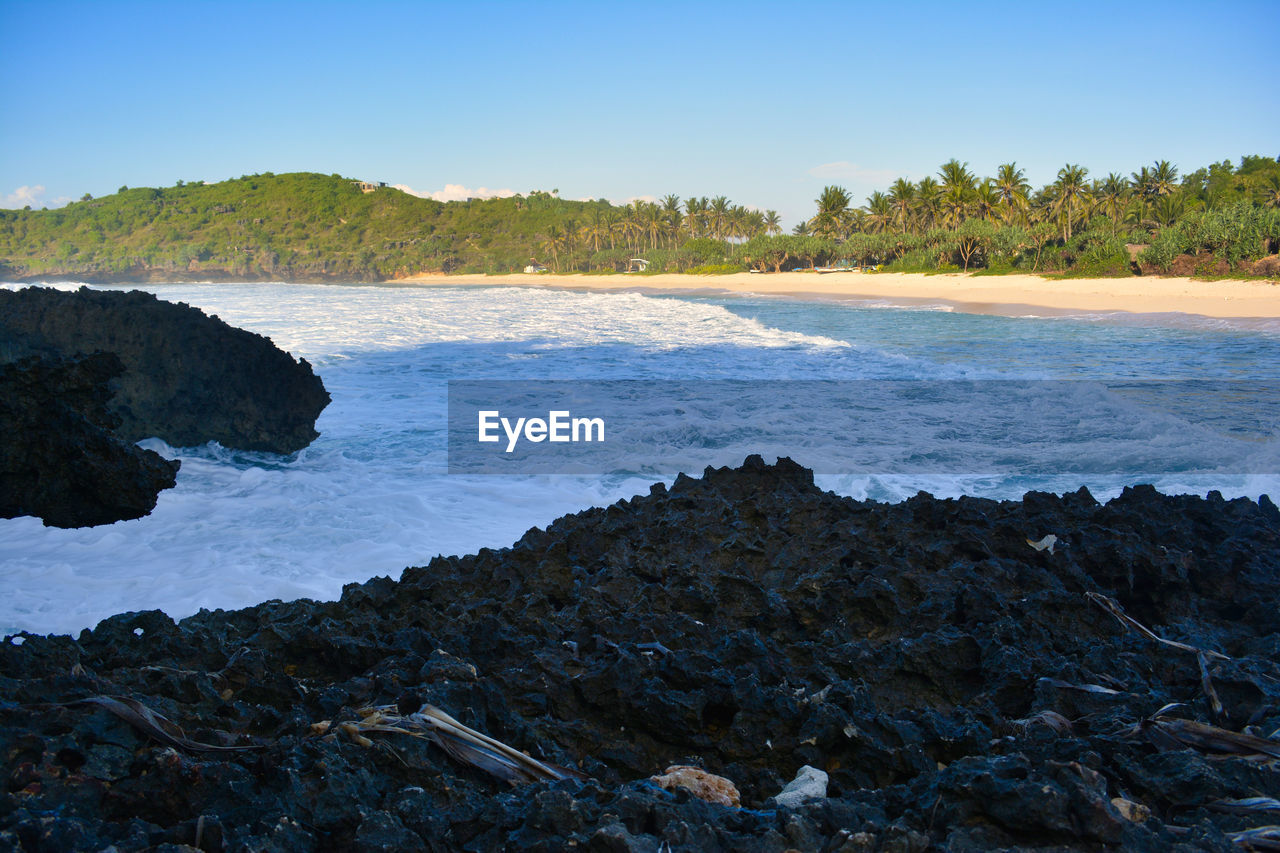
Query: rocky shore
86	374
1049	674
60	458
188	378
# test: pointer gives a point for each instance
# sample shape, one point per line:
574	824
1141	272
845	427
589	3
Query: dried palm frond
1206	684
154	724
1258	838
1175	733
1113	607
1247	805
464	744
1086	688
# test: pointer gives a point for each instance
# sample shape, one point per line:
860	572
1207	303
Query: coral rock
810	784
703	785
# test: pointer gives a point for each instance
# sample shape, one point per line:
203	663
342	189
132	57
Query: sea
1188	404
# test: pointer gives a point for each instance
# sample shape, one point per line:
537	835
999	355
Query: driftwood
463	744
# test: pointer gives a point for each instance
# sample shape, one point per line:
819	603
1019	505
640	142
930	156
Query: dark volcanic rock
58	457
746	623
188	378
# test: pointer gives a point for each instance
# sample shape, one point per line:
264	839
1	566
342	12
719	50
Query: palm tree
1142	189
986	200
554	243
956	176
736	222
879	212
1012	187
611	224
832	205
695	215
633	225
719	214
953	206
957	188
857	221
1271	192
1170	208
1071	194
671	217
594	229
772	223
803	228
1164	179
902	195
570	227
928	203
654	222
1142	182
1112	195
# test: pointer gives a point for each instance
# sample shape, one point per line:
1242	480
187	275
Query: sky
765	103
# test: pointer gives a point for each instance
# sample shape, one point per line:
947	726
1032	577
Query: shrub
917	260
716	269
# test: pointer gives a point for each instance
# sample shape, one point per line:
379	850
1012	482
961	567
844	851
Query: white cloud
456	192
853	172
23	196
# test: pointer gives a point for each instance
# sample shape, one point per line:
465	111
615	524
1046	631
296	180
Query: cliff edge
188	378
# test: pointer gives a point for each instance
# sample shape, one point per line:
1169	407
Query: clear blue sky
764	103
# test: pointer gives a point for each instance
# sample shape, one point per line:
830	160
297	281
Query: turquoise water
1097	346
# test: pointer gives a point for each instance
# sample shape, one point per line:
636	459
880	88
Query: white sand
1004	294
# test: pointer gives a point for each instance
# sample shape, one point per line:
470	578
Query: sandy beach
1009	295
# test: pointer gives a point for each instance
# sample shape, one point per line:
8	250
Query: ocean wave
372	496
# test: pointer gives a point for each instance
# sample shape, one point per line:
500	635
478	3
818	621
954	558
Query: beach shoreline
1004	295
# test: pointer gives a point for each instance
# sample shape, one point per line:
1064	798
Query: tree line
307	226
1076	223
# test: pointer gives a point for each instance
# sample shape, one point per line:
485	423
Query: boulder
810	784
188	378
59	458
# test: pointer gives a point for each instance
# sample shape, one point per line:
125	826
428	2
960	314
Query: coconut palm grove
1223	219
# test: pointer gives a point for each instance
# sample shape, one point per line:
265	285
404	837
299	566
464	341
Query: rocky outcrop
59	459
188	378
959	688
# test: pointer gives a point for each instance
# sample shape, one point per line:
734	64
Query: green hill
299	227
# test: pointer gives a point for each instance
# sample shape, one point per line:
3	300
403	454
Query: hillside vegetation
1223	219
297	226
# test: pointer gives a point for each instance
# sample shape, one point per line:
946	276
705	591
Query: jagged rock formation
58	457
959	688
188	378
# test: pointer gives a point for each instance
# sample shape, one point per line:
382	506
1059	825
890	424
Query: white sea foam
371	495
